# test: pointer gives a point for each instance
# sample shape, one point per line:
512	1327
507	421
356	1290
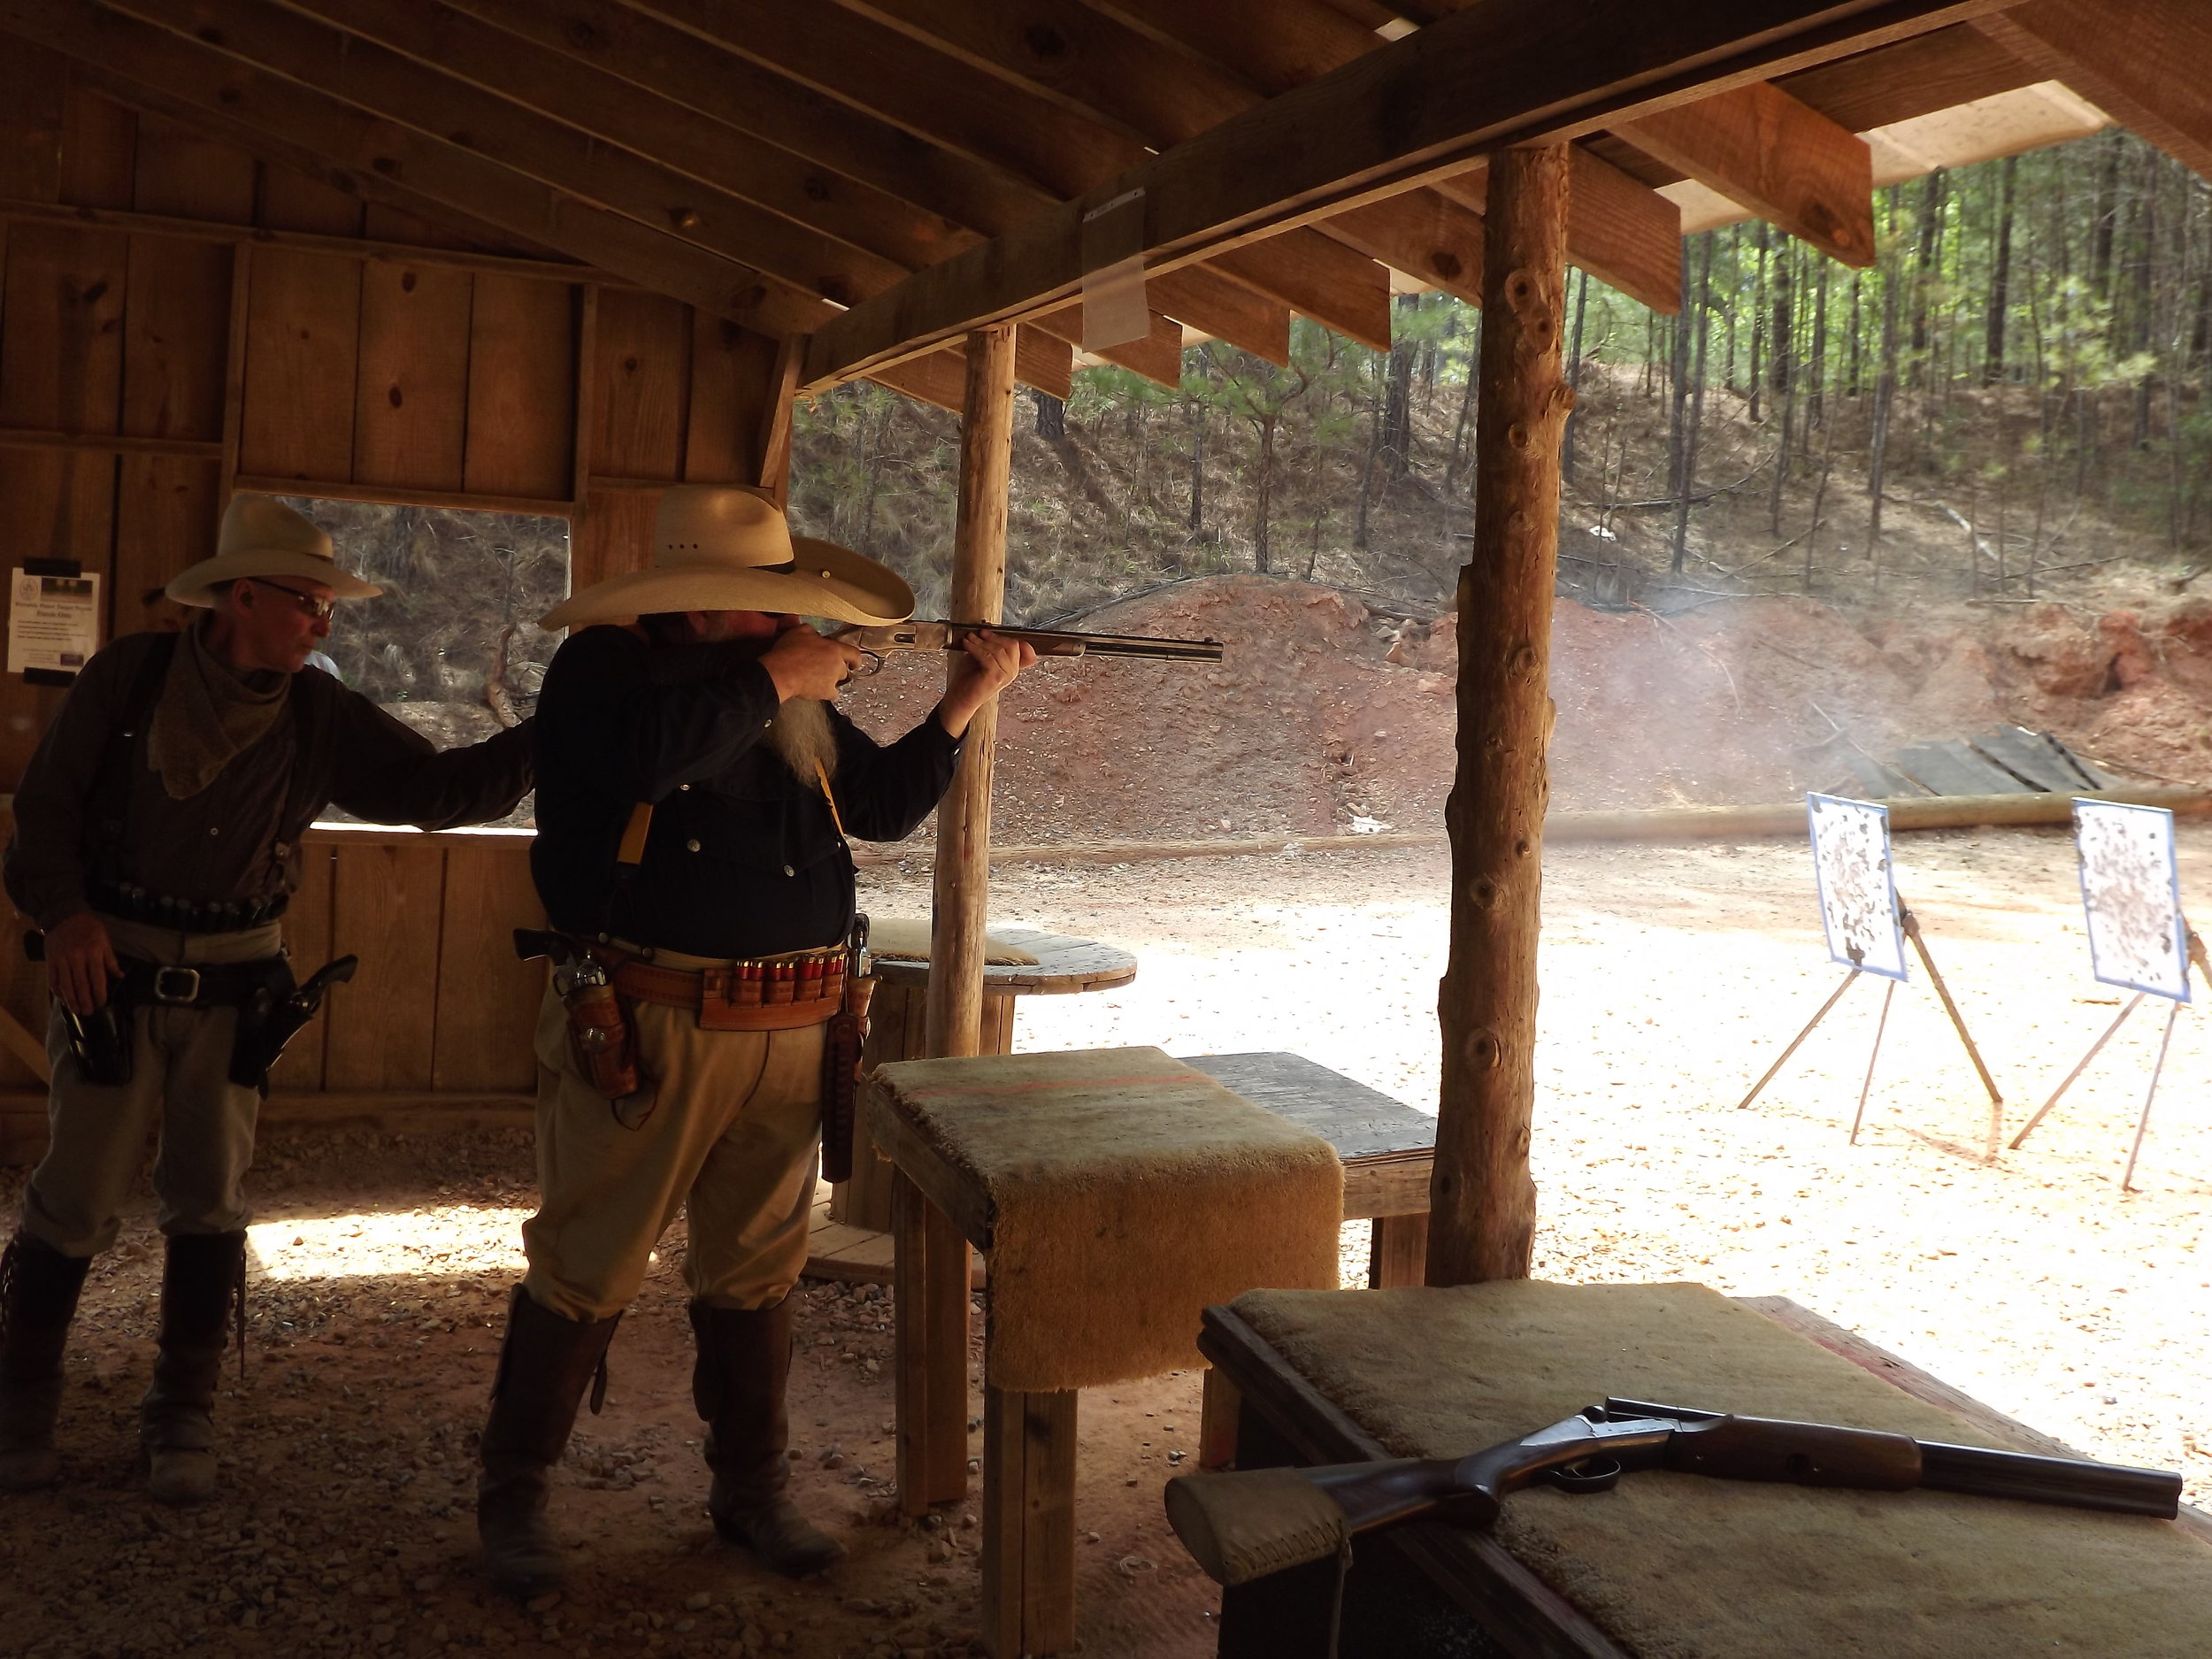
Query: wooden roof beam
1511	72
356	152
580	95
451	111
2142	62
845	91
702	74
1622	231
1784	160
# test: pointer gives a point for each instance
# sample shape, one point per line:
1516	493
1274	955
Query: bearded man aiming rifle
156	844
697	785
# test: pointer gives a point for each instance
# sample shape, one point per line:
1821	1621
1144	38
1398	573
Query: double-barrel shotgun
1247	1525
879	642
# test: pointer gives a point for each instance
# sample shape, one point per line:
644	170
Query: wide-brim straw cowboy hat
261	536
728	549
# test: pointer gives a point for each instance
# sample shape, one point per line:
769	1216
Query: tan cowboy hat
261	536
717	549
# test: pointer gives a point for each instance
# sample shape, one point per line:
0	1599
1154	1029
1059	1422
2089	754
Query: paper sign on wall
54	623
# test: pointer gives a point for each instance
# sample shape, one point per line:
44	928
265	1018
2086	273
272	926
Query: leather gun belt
767	993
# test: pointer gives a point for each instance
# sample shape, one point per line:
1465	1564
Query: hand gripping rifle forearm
1243	1526
952	636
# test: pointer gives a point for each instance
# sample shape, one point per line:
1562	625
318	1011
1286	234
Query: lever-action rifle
952	636
1245	1526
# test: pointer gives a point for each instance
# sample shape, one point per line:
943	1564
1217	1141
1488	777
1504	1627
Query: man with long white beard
695	786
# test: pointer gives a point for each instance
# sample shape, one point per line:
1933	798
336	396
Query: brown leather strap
708	994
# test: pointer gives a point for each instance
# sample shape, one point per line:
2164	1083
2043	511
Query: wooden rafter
2143	62
1434	235
1512	73
331	140
648	51
1784	160
581	95
444	109
959	108
1164	95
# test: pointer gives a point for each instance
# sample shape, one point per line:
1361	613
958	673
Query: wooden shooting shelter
550	256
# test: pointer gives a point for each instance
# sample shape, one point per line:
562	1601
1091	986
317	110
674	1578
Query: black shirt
744	858
230	842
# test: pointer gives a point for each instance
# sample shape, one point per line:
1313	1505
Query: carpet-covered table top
1680	1567
1119	1193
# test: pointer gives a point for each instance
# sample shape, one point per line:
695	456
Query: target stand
2138	939
1867	927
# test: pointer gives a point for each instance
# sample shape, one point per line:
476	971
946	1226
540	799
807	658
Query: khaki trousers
181	1080
731	1139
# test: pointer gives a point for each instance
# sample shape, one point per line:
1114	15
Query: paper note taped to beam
2131	892
1858	890
1114	310
53	622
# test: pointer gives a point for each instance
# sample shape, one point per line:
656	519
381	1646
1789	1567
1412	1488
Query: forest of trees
2028	359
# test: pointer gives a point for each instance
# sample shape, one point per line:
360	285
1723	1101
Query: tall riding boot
738	1385
545	1365
38	1299
203	1280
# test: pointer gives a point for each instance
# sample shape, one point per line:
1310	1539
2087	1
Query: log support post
932	1257
1482	1201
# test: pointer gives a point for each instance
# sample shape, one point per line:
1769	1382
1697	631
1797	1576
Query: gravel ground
1671	977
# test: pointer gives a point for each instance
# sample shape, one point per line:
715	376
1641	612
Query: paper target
1858	894
2131	892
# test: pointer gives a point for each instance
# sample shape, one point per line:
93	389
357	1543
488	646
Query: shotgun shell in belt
780	983
810	980
747	985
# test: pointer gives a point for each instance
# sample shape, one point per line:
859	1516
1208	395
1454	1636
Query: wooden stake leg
1849	979
930	1381
2127	1181
1958	1021
1028	1523
2095	1048
1880	1026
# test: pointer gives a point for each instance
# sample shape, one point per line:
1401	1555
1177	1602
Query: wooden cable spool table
850	1237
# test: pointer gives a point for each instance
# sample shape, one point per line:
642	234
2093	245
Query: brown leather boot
39	1288
738	1385
202	1280
545	1365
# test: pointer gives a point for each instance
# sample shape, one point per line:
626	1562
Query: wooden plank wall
440	1011
196	331
145	373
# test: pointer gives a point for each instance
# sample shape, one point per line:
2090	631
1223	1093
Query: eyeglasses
321	610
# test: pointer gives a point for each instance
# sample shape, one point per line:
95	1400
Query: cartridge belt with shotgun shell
765	994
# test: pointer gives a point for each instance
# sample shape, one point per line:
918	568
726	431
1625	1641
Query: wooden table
1447	1589
850	1236
1386	1148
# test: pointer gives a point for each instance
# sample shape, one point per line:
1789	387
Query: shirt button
215	832
789	871
691	846
683	789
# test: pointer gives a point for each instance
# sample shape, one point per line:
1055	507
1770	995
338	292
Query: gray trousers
180	1084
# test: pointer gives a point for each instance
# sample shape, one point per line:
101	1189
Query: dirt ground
1671	977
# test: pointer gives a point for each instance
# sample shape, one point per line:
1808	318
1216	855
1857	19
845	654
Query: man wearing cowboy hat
696	784
156	844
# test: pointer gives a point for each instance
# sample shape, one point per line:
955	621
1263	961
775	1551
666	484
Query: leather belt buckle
176	986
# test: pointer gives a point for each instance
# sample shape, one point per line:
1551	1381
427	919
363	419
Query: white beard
802	734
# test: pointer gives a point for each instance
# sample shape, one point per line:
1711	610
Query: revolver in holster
600	1038
842	1044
